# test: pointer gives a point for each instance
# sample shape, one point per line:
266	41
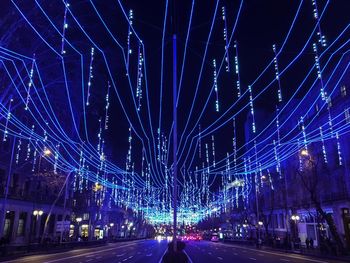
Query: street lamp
123	231
110	230
47	152
260	224
304	153
78	219
295	219
36	213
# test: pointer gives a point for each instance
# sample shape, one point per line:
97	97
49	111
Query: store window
85	230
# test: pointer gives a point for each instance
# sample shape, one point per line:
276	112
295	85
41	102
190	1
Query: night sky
260	25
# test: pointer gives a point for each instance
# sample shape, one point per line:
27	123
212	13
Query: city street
127	124
151	251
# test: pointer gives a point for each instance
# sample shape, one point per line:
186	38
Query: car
214	239
198	238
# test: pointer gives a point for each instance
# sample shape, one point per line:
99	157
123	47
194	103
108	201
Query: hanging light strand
238	81
277	74
30	84
107	107
65	26
91	76
227	58
139	78
321	38
323	146
318	68
252	108
216	86
8	118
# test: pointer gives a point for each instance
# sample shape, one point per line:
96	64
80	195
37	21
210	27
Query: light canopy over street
224	122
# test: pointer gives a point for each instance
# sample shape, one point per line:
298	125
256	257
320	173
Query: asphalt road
204	251
151	251
128	252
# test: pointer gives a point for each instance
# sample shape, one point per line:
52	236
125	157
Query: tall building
301	177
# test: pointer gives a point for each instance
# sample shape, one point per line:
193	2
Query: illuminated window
86	216
343	90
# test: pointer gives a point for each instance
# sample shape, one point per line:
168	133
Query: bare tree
310	177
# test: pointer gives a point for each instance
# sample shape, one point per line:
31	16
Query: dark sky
261	24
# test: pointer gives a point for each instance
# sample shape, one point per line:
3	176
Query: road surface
151	251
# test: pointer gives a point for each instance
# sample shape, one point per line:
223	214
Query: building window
275	220
7	227
21	224
347	115
343	90
86	216
282	219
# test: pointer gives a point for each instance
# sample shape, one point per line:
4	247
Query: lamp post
130	228
295	219
111	225
36	214
78	219
260	224
47	152
123	231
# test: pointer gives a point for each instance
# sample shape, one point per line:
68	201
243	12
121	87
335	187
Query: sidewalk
303	251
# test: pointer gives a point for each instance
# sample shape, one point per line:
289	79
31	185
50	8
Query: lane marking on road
252	258
120	255
284	259
280	254
189	259
161	258
220	258
77	256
